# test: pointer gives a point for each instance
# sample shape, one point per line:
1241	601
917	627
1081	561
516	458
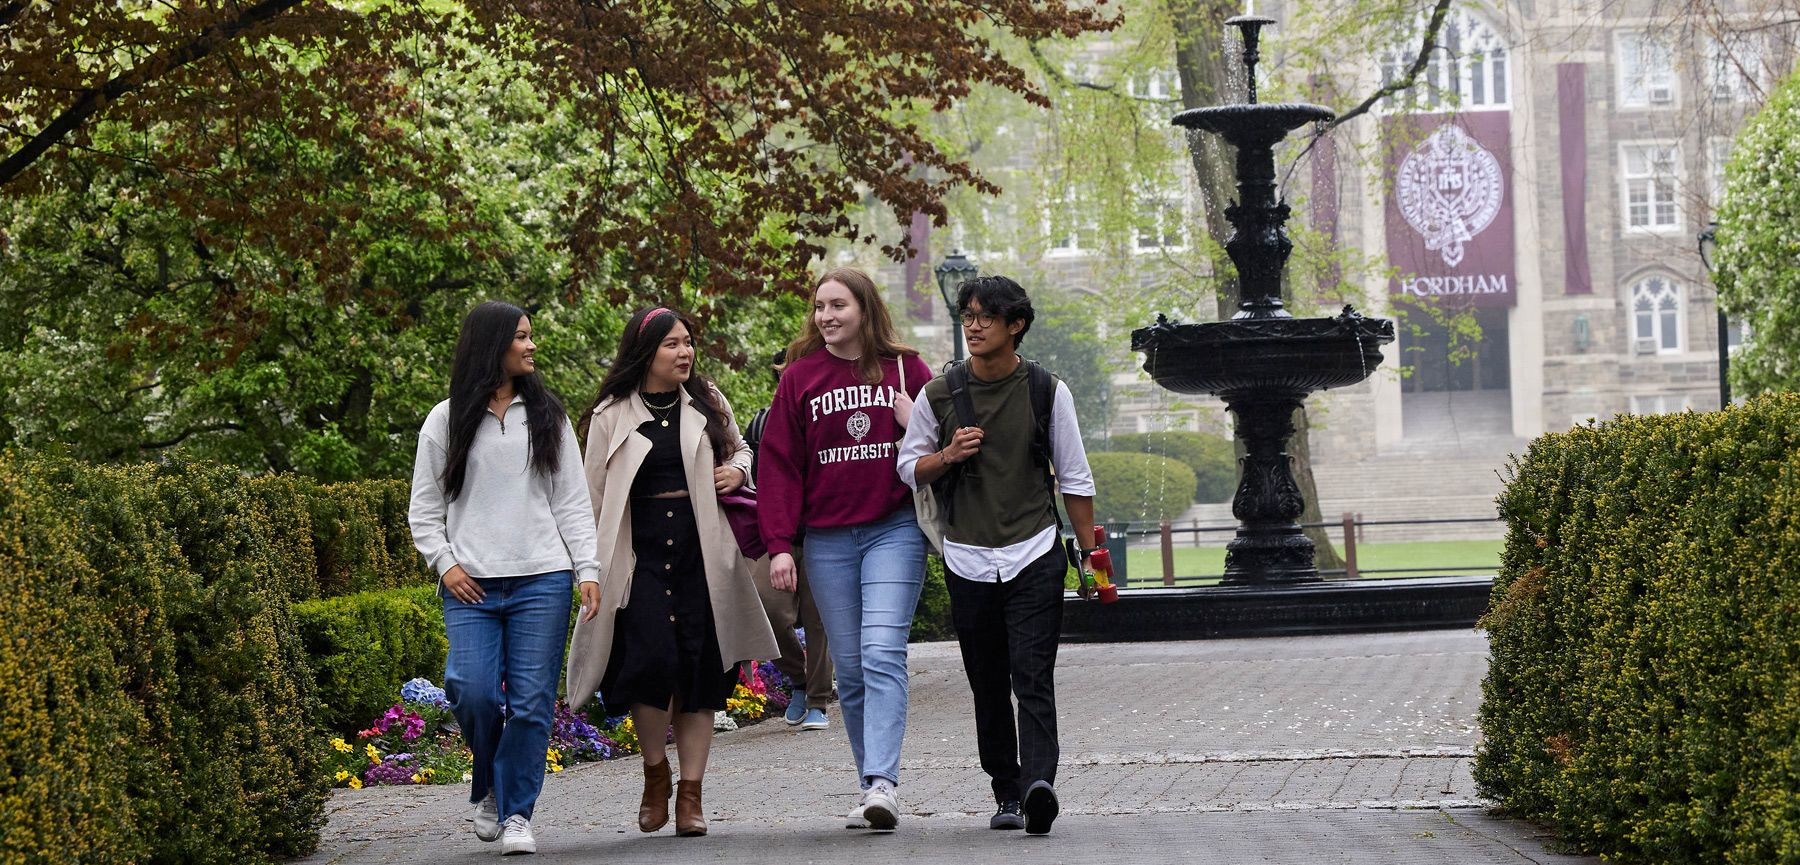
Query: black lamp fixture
952	272
1708	243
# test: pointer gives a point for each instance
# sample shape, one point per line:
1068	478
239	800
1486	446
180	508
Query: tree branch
11	10
93	99
206	428
1427	46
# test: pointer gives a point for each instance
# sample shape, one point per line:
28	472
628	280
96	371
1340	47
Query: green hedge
1645	638
1139	487
1213	458
364	646
931	619
162	704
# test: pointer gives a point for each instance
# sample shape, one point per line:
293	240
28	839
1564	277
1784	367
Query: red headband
649	317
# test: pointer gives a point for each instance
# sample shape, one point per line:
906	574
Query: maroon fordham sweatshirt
827	454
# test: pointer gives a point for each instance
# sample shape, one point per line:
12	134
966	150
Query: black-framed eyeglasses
985	320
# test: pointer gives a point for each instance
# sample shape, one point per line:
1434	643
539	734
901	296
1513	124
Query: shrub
1139	487
1213	458
931	619
67	763
361	537
364	646
201	718
1644	637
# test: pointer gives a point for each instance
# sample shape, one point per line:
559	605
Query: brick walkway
1341	749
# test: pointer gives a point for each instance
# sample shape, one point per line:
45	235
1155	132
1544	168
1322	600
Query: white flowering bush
1758	268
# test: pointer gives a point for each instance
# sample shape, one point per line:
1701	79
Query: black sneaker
1040	808
1007	817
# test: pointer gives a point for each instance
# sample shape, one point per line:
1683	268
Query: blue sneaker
815	720
796	710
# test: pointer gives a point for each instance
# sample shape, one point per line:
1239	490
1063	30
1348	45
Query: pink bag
739	506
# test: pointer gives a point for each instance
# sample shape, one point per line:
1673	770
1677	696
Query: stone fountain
1263	361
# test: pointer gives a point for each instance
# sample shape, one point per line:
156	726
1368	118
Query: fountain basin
1280	354
1269	121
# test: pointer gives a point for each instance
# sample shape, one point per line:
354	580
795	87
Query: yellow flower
374	755
418	779
343	775
356	783
341	746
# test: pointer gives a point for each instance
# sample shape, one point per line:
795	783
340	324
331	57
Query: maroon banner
1449	208
1571	149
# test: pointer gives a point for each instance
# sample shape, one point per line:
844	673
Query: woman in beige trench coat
674	612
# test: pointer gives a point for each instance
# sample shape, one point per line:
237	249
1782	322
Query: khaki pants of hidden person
809	666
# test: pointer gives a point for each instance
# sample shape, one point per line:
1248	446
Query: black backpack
1042	388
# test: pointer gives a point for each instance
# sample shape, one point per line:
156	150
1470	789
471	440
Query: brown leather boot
690	817
653	812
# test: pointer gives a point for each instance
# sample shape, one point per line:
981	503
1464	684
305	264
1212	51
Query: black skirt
664	643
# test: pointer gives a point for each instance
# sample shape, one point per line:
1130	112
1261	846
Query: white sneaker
517	837
487	818
881	807
856	820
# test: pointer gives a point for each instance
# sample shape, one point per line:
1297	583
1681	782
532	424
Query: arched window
1469	70
1656	316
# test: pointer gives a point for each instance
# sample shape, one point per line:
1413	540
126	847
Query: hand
903	406
964	444
462	586
727	478
590	600
781	572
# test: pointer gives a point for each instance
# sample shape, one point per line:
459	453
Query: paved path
1338	749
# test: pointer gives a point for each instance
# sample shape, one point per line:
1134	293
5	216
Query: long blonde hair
879	339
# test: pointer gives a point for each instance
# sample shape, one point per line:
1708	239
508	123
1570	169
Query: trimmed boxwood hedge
363	646
1644	687
162	705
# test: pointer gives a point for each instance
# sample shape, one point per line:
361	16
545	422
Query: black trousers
1008	633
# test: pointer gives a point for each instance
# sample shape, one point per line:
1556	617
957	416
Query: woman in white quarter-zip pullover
500	509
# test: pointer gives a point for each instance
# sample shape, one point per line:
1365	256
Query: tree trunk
1203	68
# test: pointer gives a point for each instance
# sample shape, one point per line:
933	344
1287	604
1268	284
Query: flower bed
416	741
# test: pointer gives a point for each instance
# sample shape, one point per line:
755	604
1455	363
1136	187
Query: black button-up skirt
664	643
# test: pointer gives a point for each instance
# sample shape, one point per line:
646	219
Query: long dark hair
487	335
637	348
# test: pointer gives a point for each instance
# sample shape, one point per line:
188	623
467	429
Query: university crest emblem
1449	190
858	425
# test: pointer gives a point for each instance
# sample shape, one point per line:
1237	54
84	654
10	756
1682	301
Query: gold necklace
665	409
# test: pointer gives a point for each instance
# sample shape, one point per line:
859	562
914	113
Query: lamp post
1709	244
952	272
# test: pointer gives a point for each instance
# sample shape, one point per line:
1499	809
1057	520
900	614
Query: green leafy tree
251	230
1758	270
1064	339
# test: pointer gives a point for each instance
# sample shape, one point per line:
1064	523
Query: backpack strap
956	378
1042	387
753	435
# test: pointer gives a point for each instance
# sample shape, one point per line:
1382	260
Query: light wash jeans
865	580
515	636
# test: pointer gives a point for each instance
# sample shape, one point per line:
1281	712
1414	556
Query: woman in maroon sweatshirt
827	465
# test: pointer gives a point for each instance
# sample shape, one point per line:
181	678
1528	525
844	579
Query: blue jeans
513	637
865	580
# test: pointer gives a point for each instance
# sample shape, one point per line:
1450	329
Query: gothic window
1470	70
1656	316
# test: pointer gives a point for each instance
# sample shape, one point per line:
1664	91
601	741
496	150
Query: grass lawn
1423	558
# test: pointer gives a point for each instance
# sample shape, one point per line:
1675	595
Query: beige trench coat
615	452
